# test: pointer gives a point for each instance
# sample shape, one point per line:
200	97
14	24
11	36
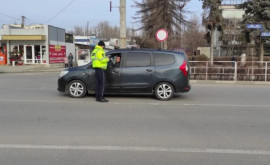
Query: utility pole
123	33
22	24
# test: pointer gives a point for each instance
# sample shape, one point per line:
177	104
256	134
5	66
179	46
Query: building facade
36	44
231	43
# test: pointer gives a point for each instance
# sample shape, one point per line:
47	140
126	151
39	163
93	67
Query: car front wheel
164	91
76	88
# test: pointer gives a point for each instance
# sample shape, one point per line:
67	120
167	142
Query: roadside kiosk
3	59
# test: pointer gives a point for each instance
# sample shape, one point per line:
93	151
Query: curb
31	71
28	69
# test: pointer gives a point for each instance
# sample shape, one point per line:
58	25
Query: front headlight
63	73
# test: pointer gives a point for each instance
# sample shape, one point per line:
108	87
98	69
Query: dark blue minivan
159	72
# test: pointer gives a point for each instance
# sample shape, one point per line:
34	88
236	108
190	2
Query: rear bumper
186	89
182	85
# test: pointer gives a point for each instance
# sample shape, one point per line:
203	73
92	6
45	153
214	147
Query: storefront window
16	54
43	54
29	54
35	54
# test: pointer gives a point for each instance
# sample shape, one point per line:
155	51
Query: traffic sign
254	26
161	35
265	34
110	6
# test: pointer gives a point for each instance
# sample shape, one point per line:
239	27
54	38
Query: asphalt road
213	124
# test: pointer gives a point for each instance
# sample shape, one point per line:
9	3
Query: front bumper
61	85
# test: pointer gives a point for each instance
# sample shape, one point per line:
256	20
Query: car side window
115	60
138	59
161	59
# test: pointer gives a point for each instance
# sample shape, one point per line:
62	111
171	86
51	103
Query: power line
60	11
32	21
26	19
9	16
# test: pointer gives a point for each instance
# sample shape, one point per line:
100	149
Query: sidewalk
29	68
229	82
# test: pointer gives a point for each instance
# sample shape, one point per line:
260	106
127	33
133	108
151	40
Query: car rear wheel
76	88
164	91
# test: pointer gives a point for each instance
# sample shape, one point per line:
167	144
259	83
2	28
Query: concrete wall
233	13
4	32
56	34
230	11
205	51
24	32
7	30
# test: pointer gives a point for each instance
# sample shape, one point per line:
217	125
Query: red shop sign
57	54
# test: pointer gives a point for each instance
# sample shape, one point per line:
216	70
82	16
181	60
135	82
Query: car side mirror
89	66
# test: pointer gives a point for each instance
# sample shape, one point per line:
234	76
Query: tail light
184	68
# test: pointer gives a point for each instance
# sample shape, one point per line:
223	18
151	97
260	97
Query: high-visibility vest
99	60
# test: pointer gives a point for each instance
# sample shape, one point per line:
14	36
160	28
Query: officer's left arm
102	57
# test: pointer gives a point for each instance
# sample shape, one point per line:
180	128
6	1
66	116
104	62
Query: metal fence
231	71
232	2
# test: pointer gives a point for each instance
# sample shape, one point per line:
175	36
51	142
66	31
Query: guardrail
228	70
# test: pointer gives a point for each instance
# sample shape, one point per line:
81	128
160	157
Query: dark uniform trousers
100	82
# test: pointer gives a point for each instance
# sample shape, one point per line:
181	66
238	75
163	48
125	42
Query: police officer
99	63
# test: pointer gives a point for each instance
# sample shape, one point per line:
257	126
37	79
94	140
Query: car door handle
149	70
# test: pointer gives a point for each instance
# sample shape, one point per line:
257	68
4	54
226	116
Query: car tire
76	89
164	91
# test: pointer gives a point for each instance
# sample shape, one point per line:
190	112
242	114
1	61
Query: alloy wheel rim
76	89
164	91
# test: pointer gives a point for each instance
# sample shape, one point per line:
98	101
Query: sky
69	13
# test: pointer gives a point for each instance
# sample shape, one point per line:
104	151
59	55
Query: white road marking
139	149
137	103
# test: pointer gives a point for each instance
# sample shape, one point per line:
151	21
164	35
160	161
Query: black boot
102	100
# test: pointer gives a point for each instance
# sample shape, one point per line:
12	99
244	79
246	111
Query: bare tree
101	30
78	30
88	30
104	30
193	37
115	32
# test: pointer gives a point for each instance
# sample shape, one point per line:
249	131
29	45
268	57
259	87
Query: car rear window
161	59
138	59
